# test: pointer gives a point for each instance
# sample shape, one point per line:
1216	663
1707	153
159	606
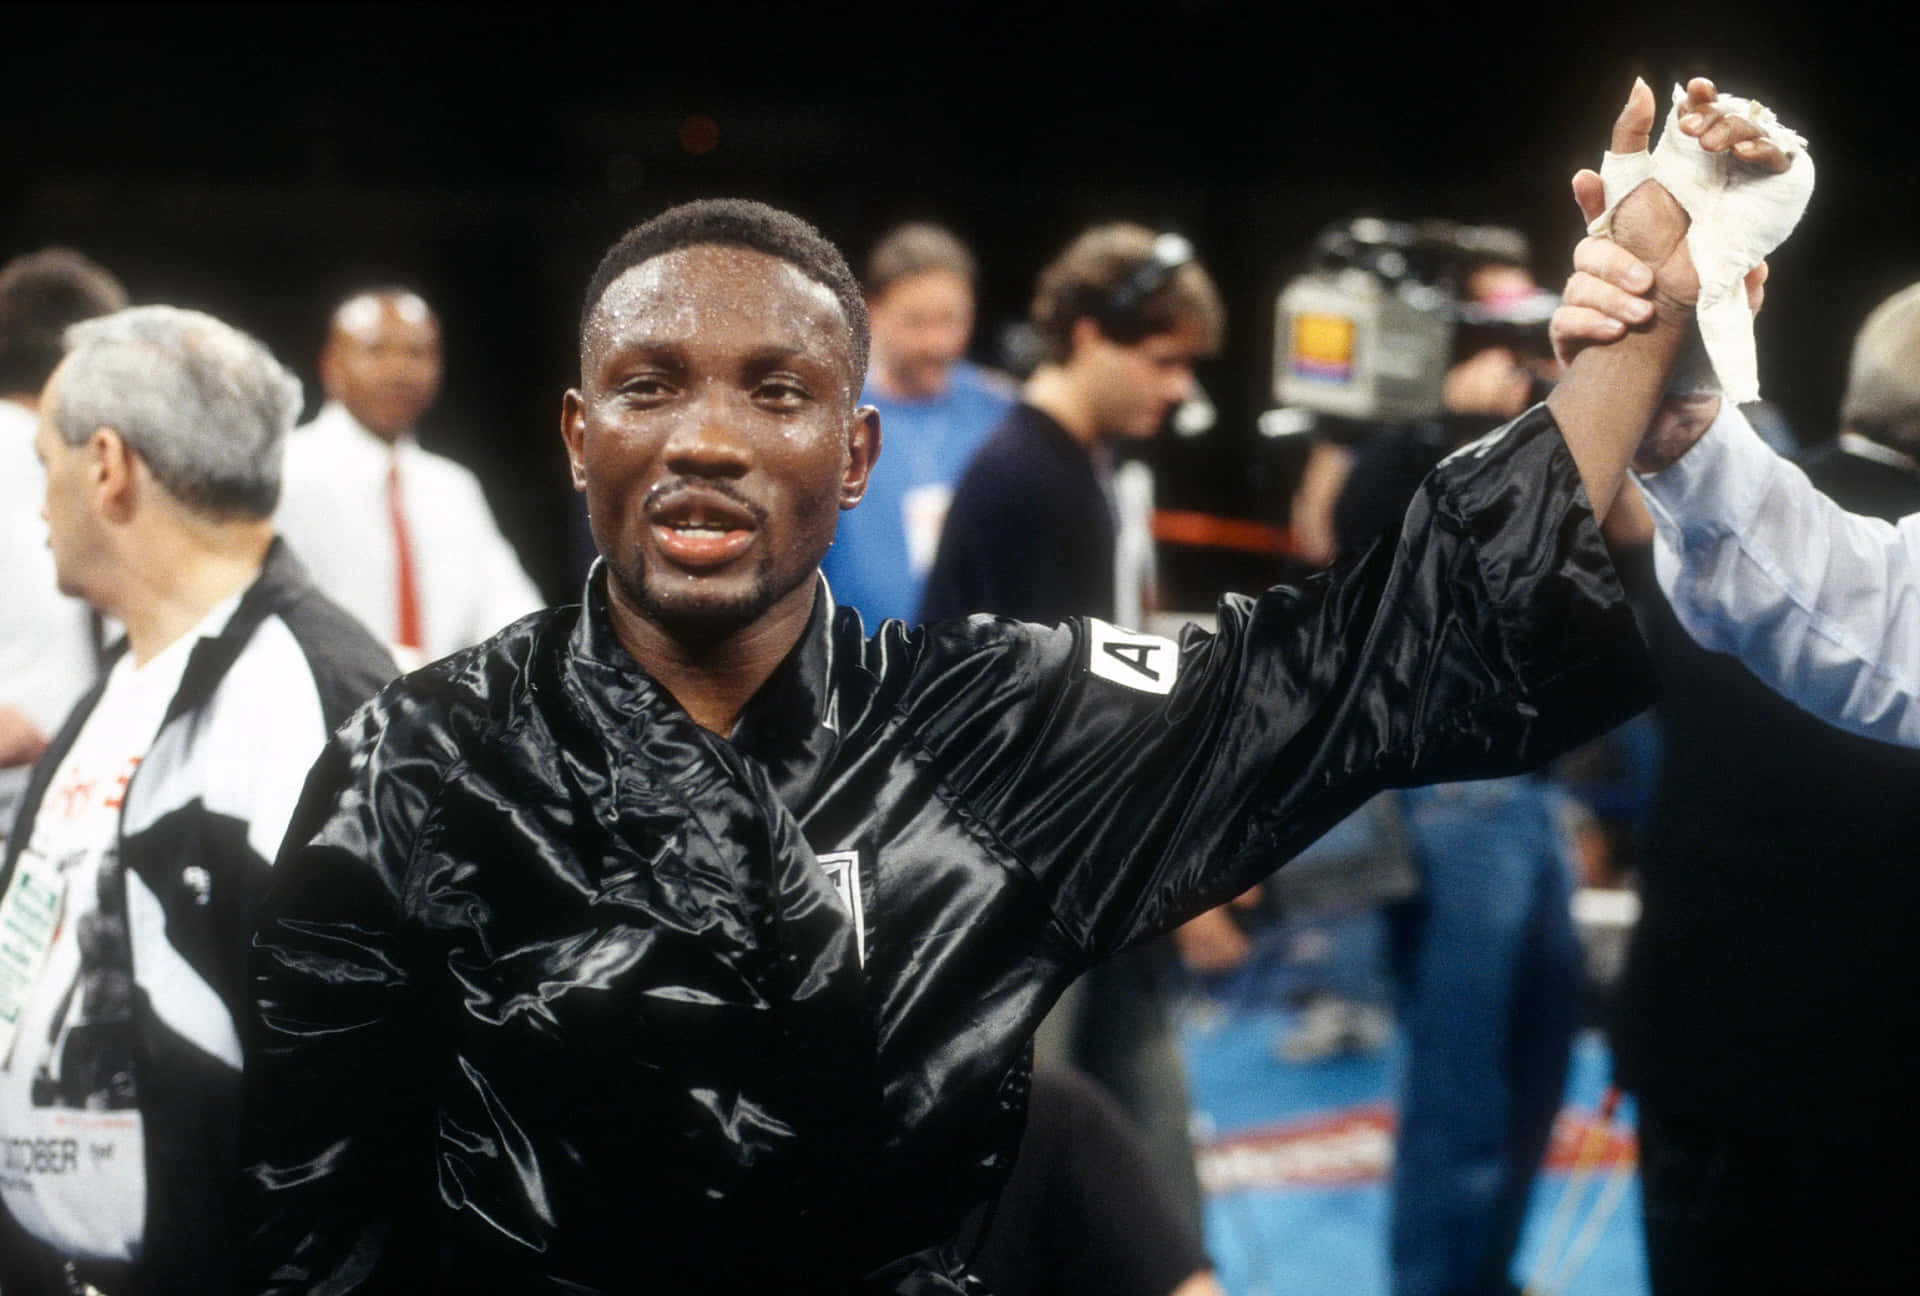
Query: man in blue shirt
935	410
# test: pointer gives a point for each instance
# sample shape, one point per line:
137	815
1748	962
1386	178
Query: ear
113	470
863	451
573	431
1086	335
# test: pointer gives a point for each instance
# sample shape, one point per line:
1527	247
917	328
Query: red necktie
406	603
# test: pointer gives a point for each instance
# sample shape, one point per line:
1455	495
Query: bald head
1883	380
382	360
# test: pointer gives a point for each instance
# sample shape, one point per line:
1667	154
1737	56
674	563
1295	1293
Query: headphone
1170	252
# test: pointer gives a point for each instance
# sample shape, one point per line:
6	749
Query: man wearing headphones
1032	533
1122	316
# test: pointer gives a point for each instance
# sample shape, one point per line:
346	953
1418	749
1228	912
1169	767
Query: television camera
1368	332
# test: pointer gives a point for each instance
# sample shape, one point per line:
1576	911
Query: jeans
1487	968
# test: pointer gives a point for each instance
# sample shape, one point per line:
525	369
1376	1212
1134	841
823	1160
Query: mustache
666	493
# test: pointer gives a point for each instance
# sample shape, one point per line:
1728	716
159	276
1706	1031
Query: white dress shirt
47	656
334	512
1821	605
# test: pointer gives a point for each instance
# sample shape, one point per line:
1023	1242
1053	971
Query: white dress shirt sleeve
1823	606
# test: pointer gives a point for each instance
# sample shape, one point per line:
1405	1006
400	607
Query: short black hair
739	222
41	294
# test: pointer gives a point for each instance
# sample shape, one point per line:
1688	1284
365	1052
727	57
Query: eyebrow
773	354
673	351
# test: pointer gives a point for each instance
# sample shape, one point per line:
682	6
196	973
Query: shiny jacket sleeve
1138	782
1822	605
337	1122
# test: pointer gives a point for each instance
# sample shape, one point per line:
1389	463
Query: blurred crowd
1748	1005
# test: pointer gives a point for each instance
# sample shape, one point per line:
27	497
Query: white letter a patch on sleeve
1139	661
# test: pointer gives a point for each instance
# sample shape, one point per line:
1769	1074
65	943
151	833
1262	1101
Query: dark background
259	162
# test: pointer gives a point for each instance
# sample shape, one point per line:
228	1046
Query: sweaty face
921	324
1136	385
715	436
382	361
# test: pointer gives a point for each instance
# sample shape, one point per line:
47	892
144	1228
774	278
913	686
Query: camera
1369	330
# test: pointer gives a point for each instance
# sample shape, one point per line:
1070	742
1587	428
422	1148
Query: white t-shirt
47	655
72	1152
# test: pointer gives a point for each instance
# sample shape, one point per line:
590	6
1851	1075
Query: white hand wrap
1740	213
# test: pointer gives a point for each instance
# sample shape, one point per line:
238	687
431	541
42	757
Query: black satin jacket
557	991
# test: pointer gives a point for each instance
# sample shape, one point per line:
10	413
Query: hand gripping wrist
1739	213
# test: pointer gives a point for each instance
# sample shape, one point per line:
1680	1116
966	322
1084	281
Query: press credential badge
29	916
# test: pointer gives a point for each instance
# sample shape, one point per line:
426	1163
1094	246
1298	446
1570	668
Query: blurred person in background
1778	944
1485	961
398	535
146	833
935	408
1502	363
49	644
1123	316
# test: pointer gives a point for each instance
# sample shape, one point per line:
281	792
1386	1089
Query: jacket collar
600	678
282	581
790	727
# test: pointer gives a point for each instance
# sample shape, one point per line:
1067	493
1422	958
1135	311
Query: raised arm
1135	782
1820	604
1611	393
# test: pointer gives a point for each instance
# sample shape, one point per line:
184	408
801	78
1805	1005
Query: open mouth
697	530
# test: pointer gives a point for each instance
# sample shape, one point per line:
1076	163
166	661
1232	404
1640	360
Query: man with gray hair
1882	403
147	828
